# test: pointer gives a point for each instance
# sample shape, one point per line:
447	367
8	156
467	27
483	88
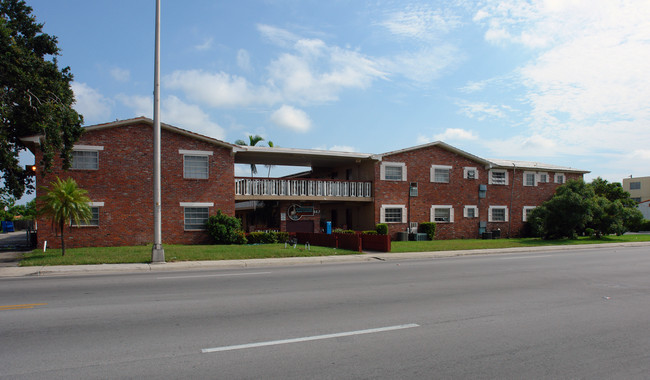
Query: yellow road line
23	306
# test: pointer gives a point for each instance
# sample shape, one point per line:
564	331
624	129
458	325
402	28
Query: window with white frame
470	173
498	177
470	212
530	179
526	212
195	163
543	178
393	214
196	215
393	171
440	173
85	157
498	214
94	216
560	178
442	214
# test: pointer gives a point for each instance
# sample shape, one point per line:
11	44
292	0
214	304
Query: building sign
296	211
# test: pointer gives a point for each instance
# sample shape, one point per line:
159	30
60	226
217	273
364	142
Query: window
498	177
440	173
195	163
94	218
559	178
529	179
526	212
85	160
393	214
393	171
498	214
543	178
637	200
635	185
442	214
470	173
196	215
470	212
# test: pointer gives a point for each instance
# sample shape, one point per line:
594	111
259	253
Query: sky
563	82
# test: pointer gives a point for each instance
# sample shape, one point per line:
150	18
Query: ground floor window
498	214
393	214
196	217
92	222
470	212
442	214
526	212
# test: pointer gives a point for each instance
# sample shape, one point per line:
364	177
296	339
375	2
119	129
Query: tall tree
270	166
35	96
252	141
63	203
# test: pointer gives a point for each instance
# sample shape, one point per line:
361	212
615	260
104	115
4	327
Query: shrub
371	232
282	236
382	229
342	231
225	229
260	237
428	228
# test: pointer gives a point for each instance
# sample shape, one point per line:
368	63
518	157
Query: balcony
302	189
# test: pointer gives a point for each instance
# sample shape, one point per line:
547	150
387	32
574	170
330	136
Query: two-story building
464	194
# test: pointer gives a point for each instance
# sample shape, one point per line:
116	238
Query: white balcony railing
302	188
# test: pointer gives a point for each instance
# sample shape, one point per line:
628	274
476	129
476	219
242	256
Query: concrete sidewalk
260	263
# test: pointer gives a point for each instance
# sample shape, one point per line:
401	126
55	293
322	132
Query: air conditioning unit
413	227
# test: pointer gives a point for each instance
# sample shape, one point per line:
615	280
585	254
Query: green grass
465	244
142	254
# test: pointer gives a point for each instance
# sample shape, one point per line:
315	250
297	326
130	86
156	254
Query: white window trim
382	170
382	216
475	208
96	204
195	152
200	154
539	177
491	208
523	212
497	171
90	204
197	204
469	168
555	178
535	179
433	172
88	147
433	213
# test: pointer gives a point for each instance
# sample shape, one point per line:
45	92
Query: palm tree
64	203
270	166
252	141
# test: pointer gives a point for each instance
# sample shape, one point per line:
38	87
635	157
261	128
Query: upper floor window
635	185
498	177
470	173
440	173
530	179
85	157
560	178
393	171
497	214
195	163
543	178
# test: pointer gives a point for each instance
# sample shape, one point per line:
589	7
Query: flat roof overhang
298	157
302	198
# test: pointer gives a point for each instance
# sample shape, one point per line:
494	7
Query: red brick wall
124	182
457	193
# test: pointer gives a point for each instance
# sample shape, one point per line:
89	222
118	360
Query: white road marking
309	338
213	275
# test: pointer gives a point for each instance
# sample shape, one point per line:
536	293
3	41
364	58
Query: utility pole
157	251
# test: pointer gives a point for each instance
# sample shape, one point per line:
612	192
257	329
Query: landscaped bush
225	229
260	237
342	231
282	237
428	228
382	229
371	232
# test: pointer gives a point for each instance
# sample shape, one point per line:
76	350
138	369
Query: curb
271	262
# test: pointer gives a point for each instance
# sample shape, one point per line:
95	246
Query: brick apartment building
464	194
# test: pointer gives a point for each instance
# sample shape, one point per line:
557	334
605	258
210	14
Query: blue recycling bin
328	228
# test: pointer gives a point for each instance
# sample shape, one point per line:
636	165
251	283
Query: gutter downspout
512	194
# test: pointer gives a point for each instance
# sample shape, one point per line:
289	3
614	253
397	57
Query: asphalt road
566	314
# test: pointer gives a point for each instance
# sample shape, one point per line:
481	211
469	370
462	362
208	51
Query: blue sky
563	82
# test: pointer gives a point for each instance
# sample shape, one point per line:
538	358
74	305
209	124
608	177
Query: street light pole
157	251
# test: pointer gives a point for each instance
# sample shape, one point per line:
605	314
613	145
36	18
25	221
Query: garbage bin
487	235
402	236
496	234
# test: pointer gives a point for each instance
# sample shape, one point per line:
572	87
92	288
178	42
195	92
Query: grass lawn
142	254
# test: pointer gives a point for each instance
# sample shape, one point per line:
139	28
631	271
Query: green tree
35	96
252	141
225	229
270	166
64	202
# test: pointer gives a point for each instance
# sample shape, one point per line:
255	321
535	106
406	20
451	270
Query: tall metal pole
157	252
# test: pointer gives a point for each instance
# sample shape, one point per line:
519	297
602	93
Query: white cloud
121	75
219	89
420	22
343	148
456	134
244	60
206	45
424	65
292	118
480	110
94	106
175	112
